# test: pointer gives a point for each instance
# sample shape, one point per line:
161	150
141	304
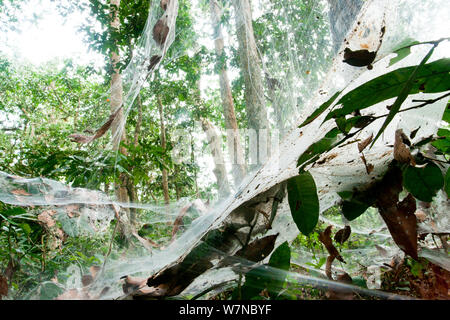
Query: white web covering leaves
341	170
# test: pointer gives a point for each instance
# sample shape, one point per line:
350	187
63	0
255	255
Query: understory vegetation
104	153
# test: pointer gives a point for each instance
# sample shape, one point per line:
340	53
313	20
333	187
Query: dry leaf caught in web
79	138
342	235
153	62
363	144
420	215
72	210
3	287
179	220
20	192
402	224
46	219
160	31
258	249
401	151
369	166
398	216
325	238
87	279
164	4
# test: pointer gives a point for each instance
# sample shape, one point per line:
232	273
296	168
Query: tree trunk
251	69
165	180
342	15
118	125
215	145
137	130
235	150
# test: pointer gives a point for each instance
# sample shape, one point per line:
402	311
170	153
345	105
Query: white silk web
301	67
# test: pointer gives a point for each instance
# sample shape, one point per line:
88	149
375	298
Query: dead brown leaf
401	152
342	235
362	145
259	249
325	238
402	224
153	62
72	210
420	215
46	219
20	192
179	220
86	280
160	31
164	4
369	166
79	138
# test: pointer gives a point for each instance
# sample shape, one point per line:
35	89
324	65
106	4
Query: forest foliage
42	106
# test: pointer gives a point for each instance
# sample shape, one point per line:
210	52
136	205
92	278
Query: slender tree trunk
215	144
137	130
251	69
165	180
235	150
118	126
193	161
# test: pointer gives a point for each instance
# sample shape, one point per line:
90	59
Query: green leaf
13	211
26	227
281	260
255	281
423	183
321	146
447	183
403	94
345	125
320	110
403	50
355	203
446	116
432	77
281	257
303	202
353	209
443	145
360	282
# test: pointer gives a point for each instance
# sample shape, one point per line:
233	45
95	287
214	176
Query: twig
112	239
426	102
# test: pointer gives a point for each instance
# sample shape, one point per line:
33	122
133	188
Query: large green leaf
356	203
281	260
353	209
431	78
406	90
403	50
321	146
423	183
255	281
447	183
303	202
320	110
443	144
